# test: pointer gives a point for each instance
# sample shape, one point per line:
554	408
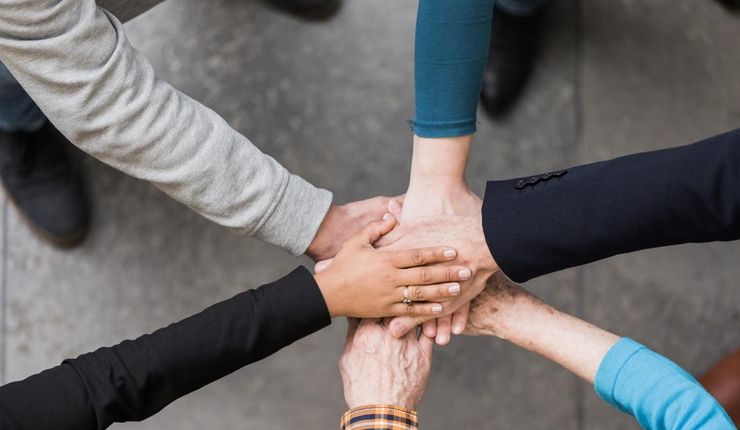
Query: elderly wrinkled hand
380	369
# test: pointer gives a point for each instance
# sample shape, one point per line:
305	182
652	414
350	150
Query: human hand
378	368
465	234
365	282
343	221
437	187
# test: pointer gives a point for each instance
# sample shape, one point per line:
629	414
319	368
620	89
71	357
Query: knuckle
417	256
410	309
418	293
425	275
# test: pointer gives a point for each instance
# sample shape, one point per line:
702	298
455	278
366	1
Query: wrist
329	288
436	185
503	310
388	401
319	248
442	157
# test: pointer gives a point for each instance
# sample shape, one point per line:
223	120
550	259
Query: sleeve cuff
379	417
298	299
441	130
612	364
296	218
529	229
503	222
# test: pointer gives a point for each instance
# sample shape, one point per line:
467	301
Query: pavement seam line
3	288
578	141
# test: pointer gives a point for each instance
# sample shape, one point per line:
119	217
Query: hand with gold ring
365	282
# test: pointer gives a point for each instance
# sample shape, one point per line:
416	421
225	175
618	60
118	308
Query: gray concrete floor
329	100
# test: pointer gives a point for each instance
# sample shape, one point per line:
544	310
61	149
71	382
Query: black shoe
39	178
514	45
733	5
310	9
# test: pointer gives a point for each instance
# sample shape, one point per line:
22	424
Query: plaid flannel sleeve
377	417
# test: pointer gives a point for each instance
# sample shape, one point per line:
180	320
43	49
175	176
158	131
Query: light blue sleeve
656	391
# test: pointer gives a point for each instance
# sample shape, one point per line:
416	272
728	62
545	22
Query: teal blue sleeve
656	391
452	38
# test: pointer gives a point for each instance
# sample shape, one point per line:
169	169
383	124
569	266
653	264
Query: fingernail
454	289
443	340
464	273
458	328
436	308
386	217
450	253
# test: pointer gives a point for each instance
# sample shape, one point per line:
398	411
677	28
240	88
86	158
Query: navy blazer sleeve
563	219
135	379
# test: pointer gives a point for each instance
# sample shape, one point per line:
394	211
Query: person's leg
36	171
17	111
731	4
312	9
521	8
515	33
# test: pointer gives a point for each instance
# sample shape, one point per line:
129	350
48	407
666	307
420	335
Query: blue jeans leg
17	111
521	7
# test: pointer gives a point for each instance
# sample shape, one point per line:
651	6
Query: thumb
395	205
390	238
322	265
372	232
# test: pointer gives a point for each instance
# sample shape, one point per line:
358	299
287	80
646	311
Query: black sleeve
563	219
135	379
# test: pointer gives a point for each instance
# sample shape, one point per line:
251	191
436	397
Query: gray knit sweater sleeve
75	61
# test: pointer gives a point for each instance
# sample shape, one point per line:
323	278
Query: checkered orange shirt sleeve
376	417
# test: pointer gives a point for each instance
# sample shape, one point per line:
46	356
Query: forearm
680	195
76	63
135	379
527	322
450	55
630	377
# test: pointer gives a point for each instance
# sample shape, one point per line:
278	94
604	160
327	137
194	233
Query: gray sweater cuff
297	216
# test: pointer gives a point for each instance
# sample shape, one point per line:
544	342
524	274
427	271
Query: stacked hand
365	282
378	368
343	221
465	234
439	207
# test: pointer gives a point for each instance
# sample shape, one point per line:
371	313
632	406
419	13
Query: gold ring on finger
406	298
